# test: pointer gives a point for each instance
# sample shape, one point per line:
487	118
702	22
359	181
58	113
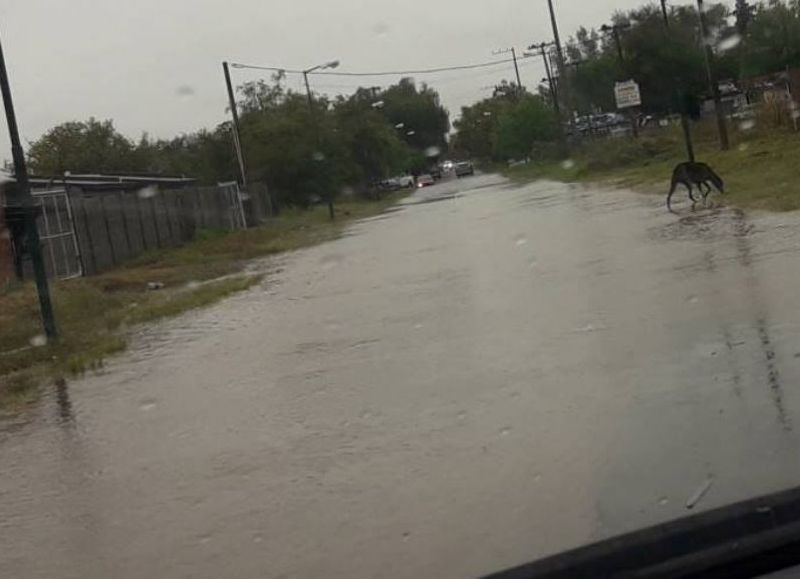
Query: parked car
395	183
464	169
405	181
425	181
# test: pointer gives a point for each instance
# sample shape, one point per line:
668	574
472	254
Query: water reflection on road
491	373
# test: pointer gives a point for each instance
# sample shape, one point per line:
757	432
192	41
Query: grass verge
94	313
759	169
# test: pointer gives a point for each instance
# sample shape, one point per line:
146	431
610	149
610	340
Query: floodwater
486	376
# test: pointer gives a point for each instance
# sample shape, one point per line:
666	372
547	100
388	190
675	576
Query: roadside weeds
759	170
95	314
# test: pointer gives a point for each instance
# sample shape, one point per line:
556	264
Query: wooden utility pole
713	85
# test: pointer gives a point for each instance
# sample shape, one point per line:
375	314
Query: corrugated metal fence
89	231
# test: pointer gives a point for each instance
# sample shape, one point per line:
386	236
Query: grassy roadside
94	313
759	170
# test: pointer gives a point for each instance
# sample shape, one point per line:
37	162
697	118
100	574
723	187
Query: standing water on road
490	374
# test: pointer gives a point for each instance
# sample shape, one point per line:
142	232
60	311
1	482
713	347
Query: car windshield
349	289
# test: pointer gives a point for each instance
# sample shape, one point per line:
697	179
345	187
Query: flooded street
490	374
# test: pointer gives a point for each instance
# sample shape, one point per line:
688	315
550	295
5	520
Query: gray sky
131	61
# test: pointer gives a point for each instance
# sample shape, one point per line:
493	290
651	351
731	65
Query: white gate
233	201
57	234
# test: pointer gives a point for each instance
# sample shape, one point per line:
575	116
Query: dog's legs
691	192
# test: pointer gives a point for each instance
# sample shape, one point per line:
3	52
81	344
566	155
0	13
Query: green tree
526	123
375	148
82	147
424	120
476	130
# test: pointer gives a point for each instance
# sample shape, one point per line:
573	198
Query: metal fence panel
57	233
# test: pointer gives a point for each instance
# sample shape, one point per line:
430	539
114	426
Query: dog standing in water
699	174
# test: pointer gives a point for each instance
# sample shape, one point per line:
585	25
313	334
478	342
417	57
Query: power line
383	73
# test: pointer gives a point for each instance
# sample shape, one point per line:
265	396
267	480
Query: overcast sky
154	65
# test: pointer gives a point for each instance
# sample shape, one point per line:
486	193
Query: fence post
108	229
155	221
75	240
141	222
48	238
166	216
89	239
121	200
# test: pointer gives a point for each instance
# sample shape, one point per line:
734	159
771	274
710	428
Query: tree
425	121
772	41
526	123
374	146
476	130
744	15
82	147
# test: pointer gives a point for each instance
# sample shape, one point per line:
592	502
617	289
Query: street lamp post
24	209
237	134
306	72
713	85
687	130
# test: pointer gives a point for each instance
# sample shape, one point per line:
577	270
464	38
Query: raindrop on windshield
318	156
729	43
147	192
747	125
185	91
568	164
432	151
381	29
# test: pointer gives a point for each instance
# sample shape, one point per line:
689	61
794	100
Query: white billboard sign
627	94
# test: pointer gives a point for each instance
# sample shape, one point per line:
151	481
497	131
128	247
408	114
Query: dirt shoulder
95	314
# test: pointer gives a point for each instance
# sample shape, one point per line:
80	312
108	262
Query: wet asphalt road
488	375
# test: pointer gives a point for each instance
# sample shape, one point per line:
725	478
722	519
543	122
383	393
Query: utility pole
563	82
24	209
614	30
713	85
516	68
237	135
308	92
618	42
687	130
556	37
513	52
550	82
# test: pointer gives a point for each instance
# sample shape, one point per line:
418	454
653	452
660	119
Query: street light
306	72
